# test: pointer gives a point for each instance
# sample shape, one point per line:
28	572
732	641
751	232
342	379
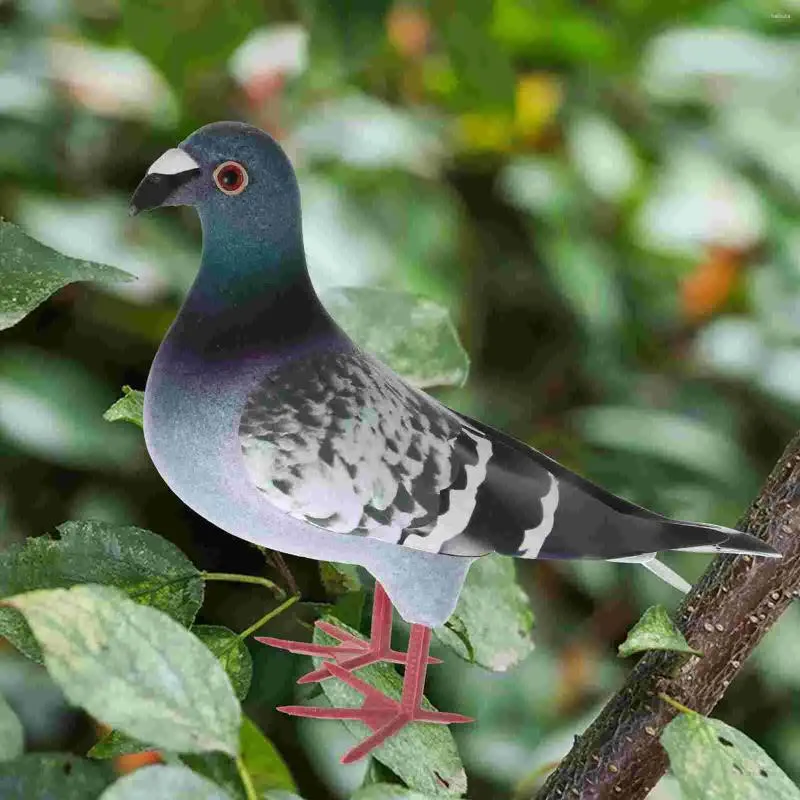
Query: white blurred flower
603	156
266	52
698	202
112	82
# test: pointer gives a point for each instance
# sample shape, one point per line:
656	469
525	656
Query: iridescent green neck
244	261
252	294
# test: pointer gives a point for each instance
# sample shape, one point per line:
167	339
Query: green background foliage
601	197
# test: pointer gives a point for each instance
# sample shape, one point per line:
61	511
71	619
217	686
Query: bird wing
340	441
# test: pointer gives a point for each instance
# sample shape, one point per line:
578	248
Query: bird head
229	171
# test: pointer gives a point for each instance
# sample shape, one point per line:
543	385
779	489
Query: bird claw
351	652
383	715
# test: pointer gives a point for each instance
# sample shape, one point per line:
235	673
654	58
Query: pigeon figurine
266	419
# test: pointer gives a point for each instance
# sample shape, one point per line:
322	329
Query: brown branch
735	603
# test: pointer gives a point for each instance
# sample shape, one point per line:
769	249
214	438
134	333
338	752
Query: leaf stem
254	579
675	704
288	603
247	781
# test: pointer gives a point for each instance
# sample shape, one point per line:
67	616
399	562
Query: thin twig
277	560
254	579
738	599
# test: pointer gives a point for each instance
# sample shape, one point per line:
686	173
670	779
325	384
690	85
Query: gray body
209	474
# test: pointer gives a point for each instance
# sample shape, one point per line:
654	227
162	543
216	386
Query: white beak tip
172	162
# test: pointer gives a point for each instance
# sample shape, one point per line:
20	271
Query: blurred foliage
603	196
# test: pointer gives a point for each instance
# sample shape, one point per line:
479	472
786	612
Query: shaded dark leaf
146	566
30	272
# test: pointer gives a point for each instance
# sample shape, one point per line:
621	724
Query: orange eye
230	177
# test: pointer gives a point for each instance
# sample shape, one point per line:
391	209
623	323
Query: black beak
156	187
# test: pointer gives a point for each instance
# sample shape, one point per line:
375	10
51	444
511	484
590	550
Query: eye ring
231	177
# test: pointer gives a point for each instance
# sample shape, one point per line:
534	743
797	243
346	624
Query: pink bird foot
382	714
352	652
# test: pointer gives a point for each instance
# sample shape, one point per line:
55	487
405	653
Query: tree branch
726	614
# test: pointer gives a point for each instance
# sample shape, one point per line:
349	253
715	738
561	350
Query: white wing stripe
462	503
534	537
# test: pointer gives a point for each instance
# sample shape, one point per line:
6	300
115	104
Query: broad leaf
232	654
141	563
387	791
176	783
414	336
655	631
12	737
263	762
134	668
423	756
115	743
492	623
31	272
129	408
53	776
713	761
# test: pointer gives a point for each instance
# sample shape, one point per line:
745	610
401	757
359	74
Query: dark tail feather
722	540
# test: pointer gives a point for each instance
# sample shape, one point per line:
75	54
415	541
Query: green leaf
176	783
53	776
655	631
387	791
492	623
129	408
141	563
423	756
263	762
12	737
414	336
339	579
232	654
188	39
134	668
115	743
713	761
31	272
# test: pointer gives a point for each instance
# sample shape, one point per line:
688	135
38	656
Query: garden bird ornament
264	417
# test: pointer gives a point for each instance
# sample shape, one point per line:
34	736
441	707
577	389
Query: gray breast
338	440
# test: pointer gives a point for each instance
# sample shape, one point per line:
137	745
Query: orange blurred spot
133	761
710	283
538	99
408	30
576	674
